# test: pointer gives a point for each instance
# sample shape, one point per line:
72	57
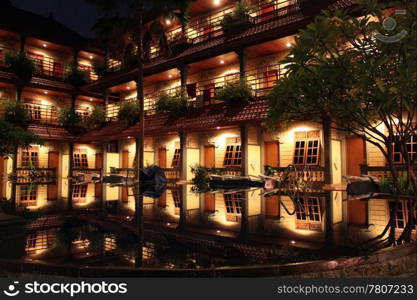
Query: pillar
244	148
104	173
22	43
242	62
184	75
70	171
329	240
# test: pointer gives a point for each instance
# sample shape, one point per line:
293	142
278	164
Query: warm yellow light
222	62
169	76
217	2
44	45
288	45
45	92
91	57
168	22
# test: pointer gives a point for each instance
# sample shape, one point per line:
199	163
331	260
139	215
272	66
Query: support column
106	95
73	101
22	43
244	148
104	173
328	180
183	176
70	171
184	75
242	62
75	54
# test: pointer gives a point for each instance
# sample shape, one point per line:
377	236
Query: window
307	148
40	240
308	214
79	193
401	216
233	204
28	195
177	200
411	150
37	60
233	154
80	159
177	159
113	147
29	157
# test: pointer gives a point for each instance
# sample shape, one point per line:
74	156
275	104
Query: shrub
235	92
201	178
15	113
20	65
69	118
129	113
12	137
100	68
175	105
239	16
96	119
76	76
406	187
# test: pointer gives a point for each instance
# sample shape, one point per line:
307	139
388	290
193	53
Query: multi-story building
211	134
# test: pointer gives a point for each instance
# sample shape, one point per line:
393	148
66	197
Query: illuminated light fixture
218	127
288	44
222	62
169	76
216	2
168	224
91	99
45	92
88	253
292	242
128	88
129	137
91	57
218	231
168	22
44	45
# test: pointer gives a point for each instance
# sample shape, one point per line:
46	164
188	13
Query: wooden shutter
162	157
271	154
209	202
272	207
209	156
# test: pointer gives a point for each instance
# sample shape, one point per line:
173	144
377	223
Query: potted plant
201	178
100	68
239	19
69	118
176	105
96	119
20	65
76	76
235	92
179	43
15	113
129	113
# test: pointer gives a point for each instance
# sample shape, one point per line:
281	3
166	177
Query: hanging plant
239	19
235	92
96	119
20	65
69	118
76	76
129	113
15	113
176	105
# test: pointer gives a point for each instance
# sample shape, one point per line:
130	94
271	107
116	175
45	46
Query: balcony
39	176
42	114
202	93
208	27
48	67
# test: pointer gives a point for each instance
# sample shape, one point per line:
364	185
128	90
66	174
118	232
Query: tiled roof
198	119
51	133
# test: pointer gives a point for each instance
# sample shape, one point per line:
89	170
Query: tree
360	74
134	12
23	67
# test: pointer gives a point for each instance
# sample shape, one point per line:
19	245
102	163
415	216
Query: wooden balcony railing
46	66
42	114
172	173
24	176
381	172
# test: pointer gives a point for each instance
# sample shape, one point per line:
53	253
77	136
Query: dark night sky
75	14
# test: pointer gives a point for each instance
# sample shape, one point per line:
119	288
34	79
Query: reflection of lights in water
218	231
292	242
168	224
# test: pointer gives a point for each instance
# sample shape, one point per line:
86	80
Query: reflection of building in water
40	241
229	137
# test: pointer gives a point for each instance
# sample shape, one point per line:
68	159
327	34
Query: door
271	154
272	207
209	156
355	154
125	165
336	152
99	165
162	158
209	202
53	162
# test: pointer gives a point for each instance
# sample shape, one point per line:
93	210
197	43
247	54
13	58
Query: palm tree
133	11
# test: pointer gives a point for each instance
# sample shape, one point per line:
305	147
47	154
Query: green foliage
12	137
270	171
175	105
15	113
96	119
201	178
405	186
100	68
20	65
69	118
235	92
76	76
129	113
239	17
